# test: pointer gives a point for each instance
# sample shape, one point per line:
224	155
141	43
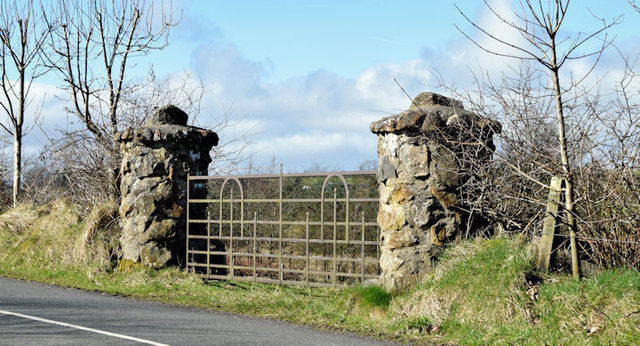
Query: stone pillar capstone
156	159
419	181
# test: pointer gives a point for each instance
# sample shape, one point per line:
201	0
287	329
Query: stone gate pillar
420	157
156	159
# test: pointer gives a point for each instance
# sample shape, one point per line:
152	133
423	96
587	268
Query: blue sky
294	37
306	78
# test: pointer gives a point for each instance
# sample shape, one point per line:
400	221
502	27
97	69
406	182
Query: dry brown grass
100	235
54	235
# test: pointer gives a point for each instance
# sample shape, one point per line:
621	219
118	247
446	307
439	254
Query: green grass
372	296
479	294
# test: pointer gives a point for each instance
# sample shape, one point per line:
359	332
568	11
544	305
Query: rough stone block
399	239
419	181
401	195
170	115
391	218
386	170
153	255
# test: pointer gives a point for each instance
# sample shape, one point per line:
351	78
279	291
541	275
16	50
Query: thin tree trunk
17	166
17	134
564	158
571	220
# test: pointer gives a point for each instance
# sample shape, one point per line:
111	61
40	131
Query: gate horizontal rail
314	229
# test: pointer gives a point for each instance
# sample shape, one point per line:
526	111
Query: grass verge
482	291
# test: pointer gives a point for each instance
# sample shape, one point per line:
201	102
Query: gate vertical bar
362	248
255	248
280	227
322	220
220	213
231	234
335	231
307	248
241	217
346	214
208	243
187	230
322	245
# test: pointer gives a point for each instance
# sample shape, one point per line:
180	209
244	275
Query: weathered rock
391	218
170	115
431	112
156	159
416	157
386	170
154	255
418	173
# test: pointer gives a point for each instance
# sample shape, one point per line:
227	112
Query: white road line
69	325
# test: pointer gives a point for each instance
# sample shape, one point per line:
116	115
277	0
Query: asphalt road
36	314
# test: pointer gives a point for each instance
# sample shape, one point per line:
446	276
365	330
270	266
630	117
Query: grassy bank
482	292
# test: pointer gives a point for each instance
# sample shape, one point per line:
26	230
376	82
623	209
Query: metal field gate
315	229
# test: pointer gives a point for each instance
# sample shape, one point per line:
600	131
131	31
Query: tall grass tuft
54	237
99	240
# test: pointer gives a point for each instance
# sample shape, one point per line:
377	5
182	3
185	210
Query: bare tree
92	49
610	180
22	38
539	23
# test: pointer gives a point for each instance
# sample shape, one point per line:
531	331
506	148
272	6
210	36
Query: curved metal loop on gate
339	176
231	258
237	182
324	185
346	215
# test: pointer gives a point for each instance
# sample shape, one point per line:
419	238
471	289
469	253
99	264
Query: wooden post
549	225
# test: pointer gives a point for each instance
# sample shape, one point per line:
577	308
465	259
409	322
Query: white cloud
315	118
377	84
223	66
45	111
327	148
